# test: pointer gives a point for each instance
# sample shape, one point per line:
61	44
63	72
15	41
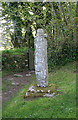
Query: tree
55	18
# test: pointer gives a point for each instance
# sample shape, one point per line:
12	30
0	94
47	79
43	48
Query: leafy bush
14	60
14	51
67	54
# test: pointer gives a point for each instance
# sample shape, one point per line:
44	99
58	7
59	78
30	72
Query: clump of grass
6	84
62	105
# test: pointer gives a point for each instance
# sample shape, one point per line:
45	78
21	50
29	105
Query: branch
63	13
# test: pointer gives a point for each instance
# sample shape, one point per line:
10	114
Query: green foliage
14	51
14	60
57	19
17	17
66	55
63	105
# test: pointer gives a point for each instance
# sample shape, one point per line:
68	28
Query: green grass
62	105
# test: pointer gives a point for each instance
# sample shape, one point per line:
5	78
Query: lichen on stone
35	91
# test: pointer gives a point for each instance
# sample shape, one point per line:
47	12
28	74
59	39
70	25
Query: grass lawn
62	105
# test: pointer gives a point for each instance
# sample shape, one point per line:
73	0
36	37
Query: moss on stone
39	91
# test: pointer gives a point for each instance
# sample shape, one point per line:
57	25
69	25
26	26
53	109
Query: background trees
58	19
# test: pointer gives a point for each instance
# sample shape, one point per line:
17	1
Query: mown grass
62	105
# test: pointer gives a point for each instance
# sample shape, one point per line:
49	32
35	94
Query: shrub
67	54
14	60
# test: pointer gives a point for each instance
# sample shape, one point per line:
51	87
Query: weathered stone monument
41	67
41	89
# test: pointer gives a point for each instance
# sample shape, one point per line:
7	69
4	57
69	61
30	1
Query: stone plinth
35	91
41	67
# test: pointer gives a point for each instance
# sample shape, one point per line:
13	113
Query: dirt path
17	83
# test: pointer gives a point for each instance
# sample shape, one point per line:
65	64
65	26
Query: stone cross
41	67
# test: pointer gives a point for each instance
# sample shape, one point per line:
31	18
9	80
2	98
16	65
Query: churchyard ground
62	105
